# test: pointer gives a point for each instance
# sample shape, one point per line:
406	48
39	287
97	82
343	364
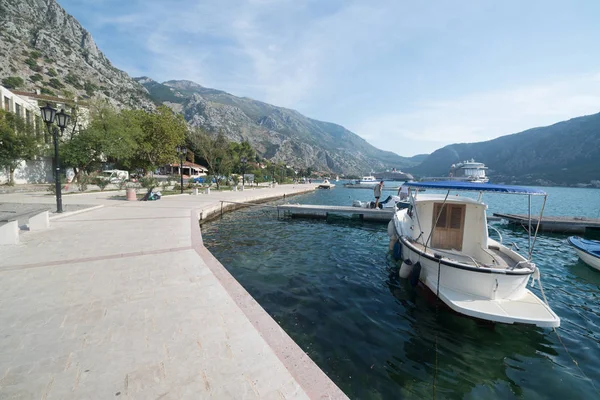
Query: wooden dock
553	224
322	212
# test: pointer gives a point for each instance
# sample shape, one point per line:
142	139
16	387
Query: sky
408	76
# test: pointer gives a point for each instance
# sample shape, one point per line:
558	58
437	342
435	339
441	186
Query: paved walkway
124	301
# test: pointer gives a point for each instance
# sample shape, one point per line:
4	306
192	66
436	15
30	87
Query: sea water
334	289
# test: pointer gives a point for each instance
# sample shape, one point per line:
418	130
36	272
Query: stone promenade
125	302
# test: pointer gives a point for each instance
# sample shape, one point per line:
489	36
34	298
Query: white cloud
407	76
482	116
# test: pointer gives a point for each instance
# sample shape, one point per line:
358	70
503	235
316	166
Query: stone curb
69	214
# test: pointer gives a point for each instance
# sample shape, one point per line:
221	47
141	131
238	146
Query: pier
322	212
553	224
123	301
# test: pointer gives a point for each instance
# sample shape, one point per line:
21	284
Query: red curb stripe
90	259
309	376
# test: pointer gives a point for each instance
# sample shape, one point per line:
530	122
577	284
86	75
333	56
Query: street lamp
49	114
181	151
243	160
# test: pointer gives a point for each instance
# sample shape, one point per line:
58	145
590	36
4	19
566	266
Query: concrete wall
31	171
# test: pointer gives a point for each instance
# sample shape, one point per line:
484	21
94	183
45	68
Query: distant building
189	169
27	106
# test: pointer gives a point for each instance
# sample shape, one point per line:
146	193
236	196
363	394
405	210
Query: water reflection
332	287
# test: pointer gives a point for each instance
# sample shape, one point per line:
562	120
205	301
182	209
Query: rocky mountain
277	133
565	153
44	48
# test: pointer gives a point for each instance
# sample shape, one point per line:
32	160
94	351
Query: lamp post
243	160
181	152
49	114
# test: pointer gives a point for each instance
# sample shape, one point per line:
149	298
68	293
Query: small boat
364	182
325	185
337	178
367	180
444	245
390	202
587	250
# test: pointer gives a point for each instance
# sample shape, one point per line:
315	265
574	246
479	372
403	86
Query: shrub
51	72
148	182
35	54
47	92
55	83
121	184
32	63
36	78
165	184
13	82
90	88
25	53
101	182
73	80
82	182
177	187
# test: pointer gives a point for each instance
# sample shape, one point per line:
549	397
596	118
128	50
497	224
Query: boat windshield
478	187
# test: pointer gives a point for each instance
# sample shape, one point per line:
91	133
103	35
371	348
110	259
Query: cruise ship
470	171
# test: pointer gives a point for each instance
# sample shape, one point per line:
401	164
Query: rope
537	228
437	303
560	339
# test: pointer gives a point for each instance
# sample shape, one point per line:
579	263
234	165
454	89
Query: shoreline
129	294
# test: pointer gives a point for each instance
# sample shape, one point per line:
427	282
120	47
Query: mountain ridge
277	133
564	153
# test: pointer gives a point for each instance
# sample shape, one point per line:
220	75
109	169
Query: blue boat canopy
478	187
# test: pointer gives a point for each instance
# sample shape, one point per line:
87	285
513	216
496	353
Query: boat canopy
477	187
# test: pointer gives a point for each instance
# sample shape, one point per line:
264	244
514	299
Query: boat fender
406	268
415	273
390	229
397	251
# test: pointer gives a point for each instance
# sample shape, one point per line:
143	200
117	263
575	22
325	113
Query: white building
27	106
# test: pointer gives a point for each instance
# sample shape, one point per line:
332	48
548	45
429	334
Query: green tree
17	142
110	135
215	151
158	136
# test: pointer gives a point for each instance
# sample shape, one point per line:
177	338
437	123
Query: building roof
46	97
189	164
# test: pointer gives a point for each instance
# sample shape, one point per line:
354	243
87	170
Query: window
6	103
28	117
448	232
18	109
38	126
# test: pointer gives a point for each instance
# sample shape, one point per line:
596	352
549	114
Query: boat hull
587	250
484	295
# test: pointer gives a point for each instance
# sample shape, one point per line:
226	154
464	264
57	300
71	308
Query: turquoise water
333	288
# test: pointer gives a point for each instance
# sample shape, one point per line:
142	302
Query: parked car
114	175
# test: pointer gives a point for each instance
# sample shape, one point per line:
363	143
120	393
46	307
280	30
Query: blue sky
408	76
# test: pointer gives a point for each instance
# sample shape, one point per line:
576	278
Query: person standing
377	191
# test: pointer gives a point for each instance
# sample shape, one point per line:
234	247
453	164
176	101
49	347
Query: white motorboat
364	182
326	184
587	250
368	180
444	244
